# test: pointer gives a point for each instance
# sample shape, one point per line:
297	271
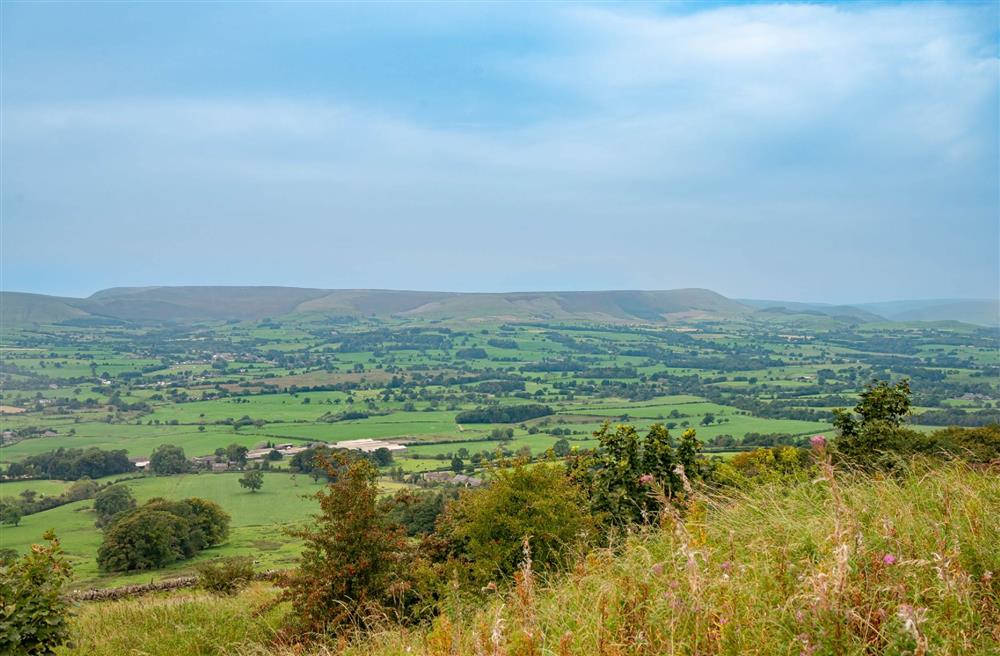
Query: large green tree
253	480
111	501
168	459
873	435
161	532
144	539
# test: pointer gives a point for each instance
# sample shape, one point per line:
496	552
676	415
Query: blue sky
824	152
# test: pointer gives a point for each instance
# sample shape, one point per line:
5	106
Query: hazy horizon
876	301
808	153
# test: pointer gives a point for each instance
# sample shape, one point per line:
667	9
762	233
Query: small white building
368	446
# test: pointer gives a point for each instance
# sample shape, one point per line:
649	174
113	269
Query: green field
256	527
305	378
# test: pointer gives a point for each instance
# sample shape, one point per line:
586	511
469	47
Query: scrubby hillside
842	565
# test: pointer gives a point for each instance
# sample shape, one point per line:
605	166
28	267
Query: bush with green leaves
484	530
417	512
225	576
11	511
618	477
33	611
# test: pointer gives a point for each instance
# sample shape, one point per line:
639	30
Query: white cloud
686	128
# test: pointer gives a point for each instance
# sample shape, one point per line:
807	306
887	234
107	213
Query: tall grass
848	564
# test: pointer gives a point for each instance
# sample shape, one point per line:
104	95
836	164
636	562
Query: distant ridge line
195	303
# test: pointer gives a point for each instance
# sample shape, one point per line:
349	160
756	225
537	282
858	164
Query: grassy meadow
849	565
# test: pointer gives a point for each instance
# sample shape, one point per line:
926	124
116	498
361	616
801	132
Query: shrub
225	576
978	445
33	611
619	476
355	563
416	512
784	464
484	529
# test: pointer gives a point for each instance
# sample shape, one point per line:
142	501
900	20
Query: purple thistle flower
889	559
646	479
818	442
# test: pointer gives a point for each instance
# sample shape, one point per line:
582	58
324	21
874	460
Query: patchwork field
454	392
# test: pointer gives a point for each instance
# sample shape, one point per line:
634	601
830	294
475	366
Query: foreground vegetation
852	564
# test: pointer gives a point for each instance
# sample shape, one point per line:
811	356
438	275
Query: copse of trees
874	435
161	532
29	502
168	459
509	414
73	464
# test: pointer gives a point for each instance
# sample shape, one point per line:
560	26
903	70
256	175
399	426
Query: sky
814	152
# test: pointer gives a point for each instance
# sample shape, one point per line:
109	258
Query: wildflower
888	559
646	479
726	566
818	442
657	569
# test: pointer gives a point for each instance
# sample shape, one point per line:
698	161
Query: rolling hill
219	303
191	304
982	312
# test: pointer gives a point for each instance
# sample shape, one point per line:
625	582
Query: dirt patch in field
266	545
10	410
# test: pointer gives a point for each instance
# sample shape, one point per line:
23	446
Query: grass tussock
175	624
842	565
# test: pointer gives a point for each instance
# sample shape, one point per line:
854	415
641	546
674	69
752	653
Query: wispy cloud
716	148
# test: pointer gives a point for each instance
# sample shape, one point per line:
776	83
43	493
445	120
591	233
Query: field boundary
140	589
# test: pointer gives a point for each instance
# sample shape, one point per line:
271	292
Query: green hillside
192	304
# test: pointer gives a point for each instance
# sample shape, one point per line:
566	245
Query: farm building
368	446
286	451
